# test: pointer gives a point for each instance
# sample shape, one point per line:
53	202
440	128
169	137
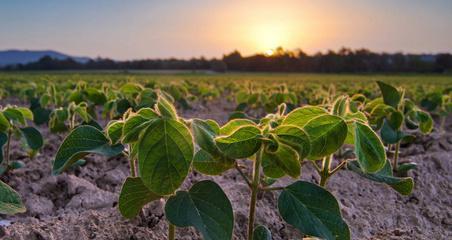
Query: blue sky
152	29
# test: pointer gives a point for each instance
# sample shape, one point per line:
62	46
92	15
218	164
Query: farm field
377	147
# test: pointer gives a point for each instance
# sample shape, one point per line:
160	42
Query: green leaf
340	106
390	94
281	161
204	136
395	120
32	137
313	210
262	233
425	122
242	143
327	134
214	126
81	142
166	109
403	168
114	131
389	135
10	202
131	89
134	125
295	137
147	113
13	114
165	153
351	118
134	195
368	148
207	164
233	125
4	123
205	207
403	186
301	116
26	113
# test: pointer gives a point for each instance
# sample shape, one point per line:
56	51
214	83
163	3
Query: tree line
344	60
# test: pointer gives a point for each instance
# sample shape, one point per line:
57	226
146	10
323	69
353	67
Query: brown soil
82	203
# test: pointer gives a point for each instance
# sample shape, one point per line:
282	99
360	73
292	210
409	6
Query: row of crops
278	128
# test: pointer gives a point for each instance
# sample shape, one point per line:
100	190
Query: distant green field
343	82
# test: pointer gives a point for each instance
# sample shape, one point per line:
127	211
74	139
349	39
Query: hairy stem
325	173
396	157
243	175
442	124
341	164
171	231
254	191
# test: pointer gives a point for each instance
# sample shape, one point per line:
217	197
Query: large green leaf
242	143
207	164
10	202
281	161
402	185
33	137
327	134
262	233
368	148
81	142
294	137
134	195
313	210
205	207
390	94
165	153
301	116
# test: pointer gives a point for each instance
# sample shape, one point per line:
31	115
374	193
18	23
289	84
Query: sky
137	29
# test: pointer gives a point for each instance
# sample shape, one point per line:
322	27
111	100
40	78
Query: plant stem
442	124
396	157
254	191
247	180
341	164
171	231
132	167
325	173
8	146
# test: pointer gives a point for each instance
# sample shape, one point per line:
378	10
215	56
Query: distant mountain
10	57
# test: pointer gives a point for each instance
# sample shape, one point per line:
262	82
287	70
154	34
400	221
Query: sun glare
269	52
269	37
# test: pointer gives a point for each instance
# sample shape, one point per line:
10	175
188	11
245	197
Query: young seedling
13	122
440	105
160	149
393	115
